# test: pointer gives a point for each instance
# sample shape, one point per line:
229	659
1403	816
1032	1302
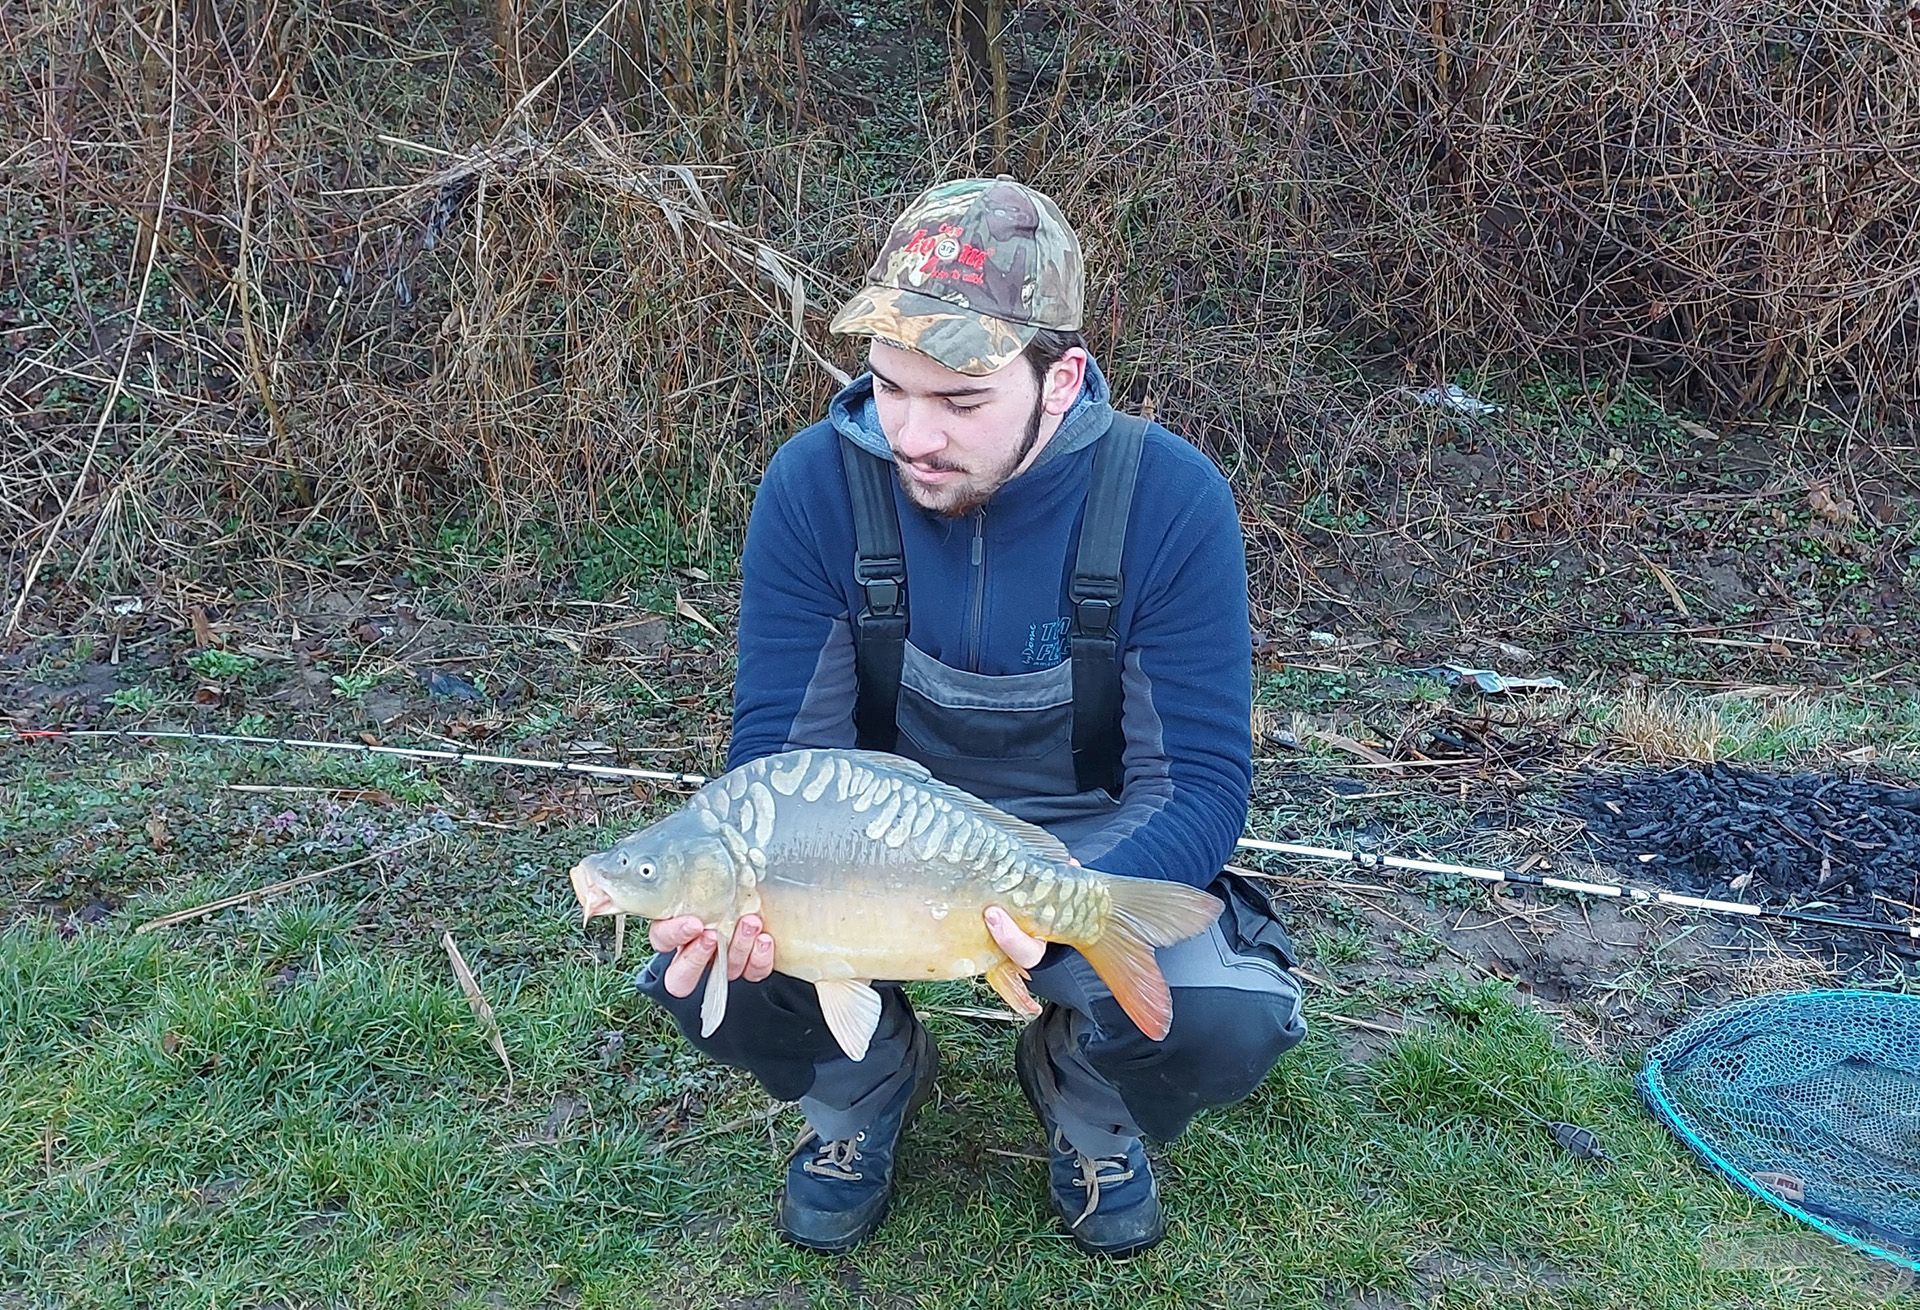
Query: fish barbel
862	866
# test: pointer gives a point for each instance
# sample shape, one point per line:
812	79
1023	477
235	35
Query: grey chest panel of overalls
1007	738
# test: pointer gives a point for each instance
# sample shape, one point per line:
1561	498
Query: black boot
837	1192
1110	1204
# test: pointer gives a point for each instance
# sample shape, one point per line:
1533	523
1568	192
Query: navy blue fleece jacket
1184	635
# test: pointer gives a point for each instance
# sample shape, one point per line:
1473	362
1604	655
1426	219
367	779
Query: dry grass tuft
1760	726
1663	725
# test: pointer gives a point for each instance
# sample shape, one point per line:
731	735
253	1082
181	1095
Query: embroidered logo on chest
1046	644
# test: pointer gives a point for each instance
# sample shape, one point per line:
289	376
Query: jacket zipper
979	590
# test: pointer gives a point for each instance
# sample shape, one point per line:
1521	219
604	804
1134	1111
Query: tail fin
1146	913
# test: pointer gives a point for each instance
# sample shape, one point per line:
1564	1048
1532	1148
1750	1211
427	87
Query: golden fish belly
862	926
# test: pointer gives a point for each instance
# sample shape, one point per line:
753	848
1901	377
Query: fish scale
863	867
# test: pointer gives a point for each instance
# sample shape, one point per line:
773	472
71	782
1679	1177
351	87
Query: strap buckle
1094	602
882	579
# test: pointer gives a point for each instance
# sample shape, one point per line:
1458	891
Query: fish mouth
588	890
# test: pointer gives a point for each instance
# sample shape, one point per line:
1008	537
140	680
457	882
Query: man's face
958	439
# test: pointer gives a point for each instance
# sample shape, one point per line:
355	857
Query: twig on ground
477	1001
270	889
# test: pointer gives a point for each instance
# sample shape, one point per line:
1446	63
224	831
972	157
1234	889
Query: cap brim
951	335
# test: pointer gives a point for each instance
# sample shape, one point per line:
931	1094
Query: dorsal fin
886	763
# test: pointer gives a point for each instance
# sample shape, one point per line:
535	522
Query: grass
295	1116
291	1101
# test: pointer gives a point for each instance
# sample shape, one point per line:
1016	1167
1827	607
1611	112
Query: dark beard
968	504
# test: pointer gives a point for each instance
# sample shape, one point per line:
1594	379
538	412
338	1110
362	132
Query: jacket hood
852	413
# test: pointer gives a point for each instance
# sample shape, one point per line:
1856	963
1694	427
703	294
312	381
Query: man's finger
690	964
672	934
760	962
741	946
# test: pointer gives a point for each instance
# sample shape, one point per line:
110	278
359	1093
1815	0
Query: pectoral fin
713	1003
1010	980
852	1008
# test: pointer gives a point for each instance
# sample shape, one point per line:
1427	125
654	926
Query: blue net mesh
1810	1100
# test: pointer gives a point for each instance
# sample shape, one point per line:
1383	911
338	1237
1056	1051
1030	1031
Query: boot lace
835	1159
1095	1172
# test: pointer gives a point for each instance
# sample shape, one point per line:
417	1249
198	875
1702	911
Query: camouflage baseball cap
968	273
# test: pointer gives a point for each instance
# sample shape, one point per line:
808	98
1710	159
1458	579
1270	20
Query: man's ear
1064	379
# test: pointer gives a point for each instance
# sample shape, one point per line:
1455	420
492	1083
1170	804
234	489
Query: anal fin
1010	981
852	1009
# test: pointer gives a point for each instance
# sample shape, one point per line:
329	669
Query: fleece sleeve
1187	704
794	684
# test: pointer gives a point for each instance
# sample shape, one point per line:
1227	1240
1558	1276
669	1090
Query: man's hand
1022	949
749	954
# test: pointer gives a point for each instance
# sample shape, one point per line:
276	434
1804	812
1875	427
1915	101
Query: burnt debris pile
1770	839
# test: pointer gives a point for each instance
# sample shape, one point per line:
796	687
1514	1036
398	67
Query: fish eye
646	870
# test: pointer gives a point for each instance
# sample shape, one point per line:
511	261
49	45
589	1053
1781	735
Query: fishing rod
1612	891
1328	854
364	748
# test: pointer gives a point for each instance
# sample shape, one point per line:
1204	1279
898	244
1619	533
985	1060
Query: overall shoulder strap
1094	596
880	566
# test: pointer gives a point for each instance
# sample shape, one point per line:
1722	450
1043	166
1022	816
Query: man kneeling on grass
975	561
